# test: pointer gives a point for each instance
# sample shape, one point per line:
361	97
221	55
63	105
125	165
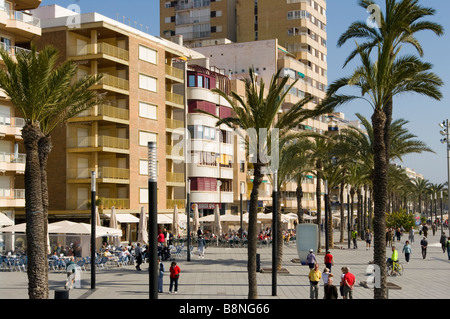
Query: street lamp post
188	214
442	212
445	132
348	214
153	220
326	216
274	233
242	211
93	226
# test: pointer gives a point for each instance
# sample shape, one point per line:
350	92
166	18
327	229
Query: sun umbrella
196	222
142	232
175	222
97	217
114	224
5	221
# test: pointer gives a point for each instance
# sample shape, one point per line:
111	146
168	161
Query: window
147	54
147	82
143	167
145	137
143	195
148	110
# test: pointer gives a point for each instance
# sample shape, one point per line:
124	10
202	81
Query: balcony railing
119	203
23	17
106	110
13	158
114	82
12	121
12	193
174	124
102	172
174	98
175	177
175	72
170	203
101	47
171	151
103	141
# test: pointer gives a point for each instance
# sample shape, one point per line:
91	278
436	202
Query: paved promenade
222	274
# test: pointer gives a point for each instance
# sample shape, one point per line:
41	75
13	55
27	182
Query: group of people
346	284
174	276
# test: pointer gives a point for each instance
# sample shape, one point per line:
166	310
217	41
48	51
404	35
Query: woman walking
407	250
174	275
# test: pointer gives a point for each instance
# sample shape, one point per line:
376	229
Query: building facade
144	101
17	29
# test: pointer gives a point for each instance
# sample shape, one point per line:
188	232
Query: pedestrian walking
354	237
328	259
424	245
368	239
161	269
407	251
447	245
341	283
349	282
443	241
433	228
425	230
330	289
411	235
201	246
314	277
138	255
174	276
70	272
311	259
325	275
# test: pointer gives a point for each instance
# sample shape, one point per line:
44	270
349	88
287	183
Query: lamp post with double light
446	140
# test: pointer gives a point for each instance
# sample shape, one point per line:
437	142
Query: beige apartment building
17	29
141	104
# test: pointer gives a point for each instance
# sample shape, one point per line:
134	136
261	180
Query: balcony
174	124
99	50
12	197
180	203
173	152
175	179
12	163
175	100
104	175
102	143
103	112
11	126
22	24
112	83
105	203
174	73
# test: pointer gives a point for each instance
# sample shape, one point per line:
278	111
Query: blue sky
423	114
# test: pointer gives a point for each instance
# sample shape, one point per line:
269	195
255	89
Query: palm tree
261	111
420	188
47	95
399	25
378	82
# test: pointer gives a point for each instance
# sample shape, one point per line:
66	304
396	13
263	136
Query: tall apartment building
198	20
17	29
287	34
235	58
144	101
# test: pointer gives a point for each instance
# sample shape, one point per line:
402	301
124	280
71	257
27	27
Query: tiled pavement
222	274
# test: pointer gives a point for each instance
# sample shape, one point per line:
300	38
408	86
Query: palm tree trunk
36	254
341	201
380	180
252	233
318	203
45	147
329	223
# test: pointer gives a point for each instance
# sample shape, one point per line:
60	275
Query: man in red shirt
349	282
329	260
